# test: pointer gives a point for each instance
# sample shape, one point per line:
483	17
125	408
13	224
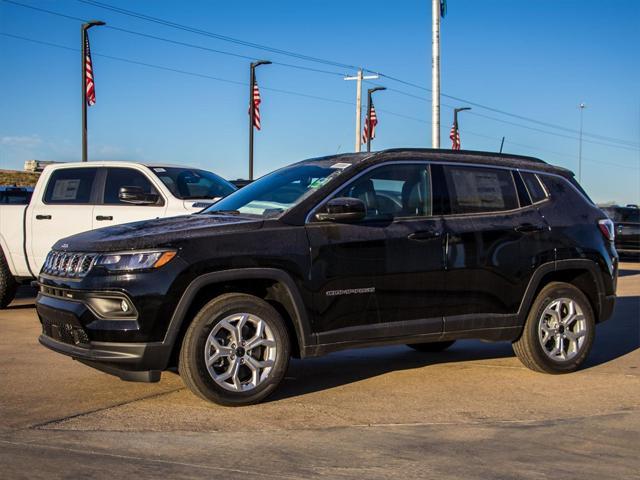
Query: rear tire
8	285
432	347
236	350
559	331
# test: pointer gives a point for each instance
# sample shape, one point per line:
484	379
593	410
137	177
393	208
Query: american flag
256	106
455	137
372	119
88	73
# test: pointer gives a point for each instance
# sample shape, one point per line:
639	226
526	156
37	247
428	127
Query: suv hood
163	232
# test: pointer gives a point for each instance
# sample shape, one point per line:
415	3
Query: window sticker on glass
66	189
318	182
341	165
159	169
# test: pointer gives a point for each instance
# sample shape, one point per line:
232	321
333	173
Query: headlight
127	262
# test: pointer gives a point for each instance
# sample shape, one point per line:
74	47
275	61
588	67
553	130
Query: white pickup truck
70	198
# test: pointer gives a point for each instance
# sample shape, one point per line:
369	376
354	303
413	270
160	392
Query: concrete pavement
470	412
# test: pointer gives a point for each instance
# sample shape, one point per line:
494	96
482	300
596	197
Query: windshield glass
272	194
189	183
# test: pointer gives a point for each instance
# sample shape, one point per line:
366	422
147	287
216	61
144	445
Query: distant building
36	165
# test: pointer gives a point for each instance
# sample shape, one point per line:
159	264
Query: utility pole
83	84
358	78
582	106
435	73
252	112
501	144
368	117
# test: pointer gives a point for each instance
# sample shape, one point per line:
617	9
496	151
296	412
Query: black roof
457	156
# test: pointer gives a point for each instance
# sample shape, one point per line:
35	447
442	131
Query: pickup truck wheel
559	330
236	350
8	284
432	347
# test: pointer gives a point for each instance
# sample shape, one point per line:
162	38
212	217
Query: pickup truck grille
68	264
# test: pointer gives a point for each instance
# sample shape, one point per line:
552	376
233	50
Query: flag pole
435	73
368	117
252	112
83	83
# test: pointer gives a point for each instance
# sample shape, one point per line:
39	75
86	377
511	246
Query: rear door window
70	186
480	190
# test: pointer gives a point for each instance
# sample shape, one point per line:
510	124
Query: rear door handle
423	236
528	228
43	217
102	218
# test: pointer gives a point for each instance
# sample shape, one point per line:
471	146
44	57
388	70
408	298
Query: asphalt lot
473	412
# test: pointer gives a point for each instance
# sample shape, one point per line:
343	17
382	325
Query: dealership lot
471	412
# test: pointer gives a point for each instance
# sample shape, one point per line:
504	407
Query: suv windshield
272	194
189	183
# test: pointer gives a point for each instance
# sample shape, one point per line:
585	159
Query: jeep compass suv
417	247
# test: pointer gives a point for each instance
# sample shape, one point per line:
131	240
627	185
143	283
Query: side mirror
342	209
137	196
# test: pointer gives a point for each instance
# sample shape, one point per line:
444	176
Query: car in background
12	195
70	198
627	228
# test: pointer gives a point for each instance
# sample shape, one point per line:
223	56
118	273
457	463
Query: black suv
627	227
417	247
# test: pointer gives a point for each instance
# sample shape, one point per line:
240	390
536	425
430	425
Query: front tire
236	350
8	285
559	331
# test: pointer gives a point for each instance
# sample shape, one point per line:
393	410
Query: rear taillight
607	228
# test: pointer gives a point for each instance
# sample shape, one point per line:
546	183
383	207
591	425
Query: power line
627	144
595	142
502	112
225	38
175	42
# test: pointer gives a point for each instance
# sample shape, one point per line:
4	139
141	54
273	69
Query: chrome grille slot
68	264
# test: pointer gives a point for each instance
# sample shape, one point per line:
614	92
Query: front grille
68	264
64	332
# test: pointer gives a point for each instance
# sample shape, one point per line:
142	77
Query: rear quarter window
534	186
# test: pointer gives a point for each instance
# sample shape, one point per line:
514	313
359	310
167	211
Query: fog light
112	307
124	306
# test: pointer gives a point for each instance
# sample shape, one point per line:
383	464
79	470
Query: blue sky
538	59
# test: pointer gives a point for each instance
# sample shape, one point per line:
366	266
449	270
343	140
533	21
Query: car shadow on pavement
619	335
350	366
627	272
616	337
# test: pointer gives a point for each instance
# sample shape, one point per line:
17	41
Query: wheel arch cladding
272	285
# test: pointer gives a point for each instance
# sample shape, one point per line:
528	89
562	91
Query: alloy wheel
240	352
562	329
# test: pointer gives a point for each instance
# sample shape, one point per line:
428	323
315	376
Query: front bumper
67	329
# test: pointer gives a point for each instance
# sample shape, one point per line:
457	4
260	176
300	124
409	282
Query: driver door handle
423	236
43	217
102	218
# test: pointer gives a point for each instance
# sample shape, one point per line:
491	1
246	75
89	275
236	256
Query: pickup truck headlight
131	261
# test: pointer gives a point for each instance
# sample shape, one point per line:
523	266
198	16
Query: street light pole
358	78
582	106
368	117
83	39
252	81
